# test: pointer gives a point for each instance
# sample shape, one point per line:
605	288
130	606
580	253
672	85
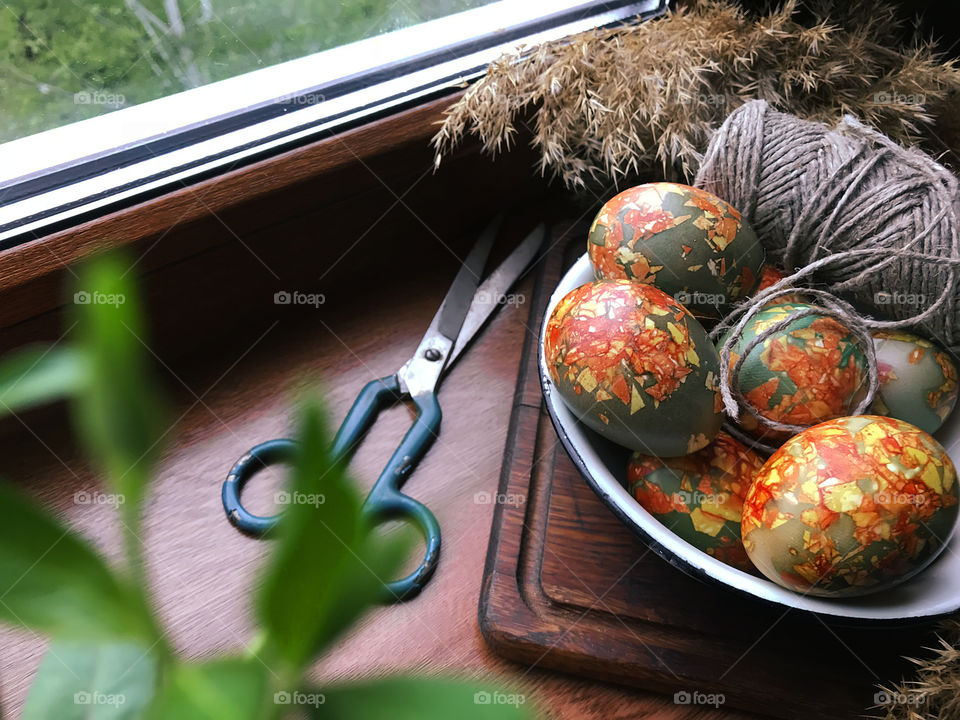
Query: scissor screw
432	354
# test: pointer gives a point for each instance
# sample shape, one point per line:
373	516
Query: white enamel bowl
931	593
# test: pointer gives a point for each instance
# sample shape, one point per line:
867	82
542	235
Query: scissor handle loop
271	452
386	501
405	509
375	395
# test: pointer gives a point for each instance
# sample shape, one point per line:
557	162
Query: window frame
242	120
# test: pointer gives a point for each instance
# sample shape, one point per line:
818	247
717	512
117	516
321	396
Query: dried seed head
604	105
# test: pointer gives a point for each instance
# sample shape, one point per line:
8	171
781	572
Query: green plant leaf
37	375
411	698
232	688
118	417
83	681
52	581
326	568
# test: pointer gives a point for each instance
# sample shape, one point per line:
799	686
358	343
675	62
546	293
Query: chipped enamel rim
932	593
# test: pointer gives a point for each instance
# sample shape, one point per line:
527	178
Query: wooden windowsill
231	189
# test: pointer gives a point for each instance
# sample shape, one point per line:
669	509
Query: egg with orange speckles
635	366
812	370
700	496
850	507
684	240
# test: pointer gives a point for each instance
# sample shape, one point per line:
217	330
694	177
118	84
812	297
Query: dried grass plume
604	105
934	694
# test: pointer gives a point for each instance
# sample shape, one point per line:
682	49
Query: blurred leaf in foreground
85	681
36	375
413	698
232	688
118	414
326	568
52	581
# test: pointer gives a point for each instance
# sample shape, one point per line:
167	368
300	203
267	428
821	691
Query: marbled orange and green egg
918	381
812	370
770	275
635	366
700	496
685	241
850	507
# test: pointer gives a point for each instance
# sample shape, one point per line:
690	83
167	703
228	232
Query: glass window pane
67	60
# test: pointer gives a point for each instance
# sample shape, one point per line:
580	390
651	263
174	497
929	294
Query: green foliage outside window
67	60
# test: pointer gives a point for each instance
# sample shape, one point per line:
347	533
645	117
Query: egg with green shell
850	507
684	240
812	370
918	380
635	366
700	496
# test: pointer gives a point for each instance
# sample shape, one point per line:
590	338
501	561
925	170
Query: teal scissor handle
385	501
271	452
375	396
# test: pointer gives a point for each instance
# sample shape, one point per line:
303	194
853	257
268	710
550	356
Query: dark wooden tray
567	586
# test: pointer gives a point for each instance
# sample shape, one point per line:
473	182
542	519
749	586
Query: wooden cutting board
567	586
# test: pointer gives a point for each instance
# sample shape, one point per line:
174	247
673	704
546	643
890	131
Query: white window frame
69	174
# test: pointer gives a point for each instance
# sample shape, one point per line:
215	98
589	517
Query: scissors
463	312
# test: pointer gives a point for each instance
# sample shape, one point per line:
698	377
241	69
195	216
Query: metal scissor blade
455	305
490	293
421	373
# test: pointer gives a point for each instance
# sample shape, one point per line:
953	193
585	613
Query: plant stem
137	570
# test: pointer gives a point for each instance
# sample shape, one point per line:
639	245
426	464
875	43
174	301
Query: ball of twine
850	216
